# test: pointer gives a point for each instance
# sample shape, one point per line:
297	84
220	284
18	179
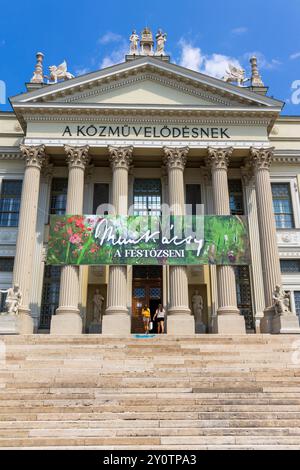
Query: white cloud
294	56
239	30
110	37
82	71
214	65
263	62
191	57
116	56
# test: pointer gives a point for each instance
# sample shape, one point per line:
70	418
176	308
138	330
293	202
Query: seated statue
281	301
13	299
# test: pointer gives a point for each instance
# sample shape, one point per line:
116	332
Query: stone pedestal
21	324
117	324
229	325
180	325
95	328
286	324
266	323
66	324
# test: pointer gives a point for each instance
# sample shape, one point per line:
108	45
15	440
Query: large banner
142	240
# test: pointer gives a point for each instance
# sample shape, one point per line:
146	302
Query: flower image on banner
142	240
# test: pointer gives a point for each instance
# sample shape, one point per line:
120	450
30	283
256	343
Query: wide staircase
204	392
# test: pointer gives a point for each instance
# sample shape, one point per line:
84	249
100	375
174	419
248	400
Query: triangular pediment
145	81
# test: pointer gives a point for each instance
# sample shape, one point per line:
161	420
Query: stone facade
148	120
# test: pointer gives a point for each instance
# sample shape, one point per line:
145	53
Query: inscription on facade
144	132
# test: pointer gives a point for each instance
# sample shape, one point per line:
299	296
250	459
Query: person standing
160	318
146	318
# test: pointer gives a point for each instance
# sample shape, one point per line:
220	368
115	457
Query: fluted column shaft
218	161
35	158
77	159
261	160
120	160
175	161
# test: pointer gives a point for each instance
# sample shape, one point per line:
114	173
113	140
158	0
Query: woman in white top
160	318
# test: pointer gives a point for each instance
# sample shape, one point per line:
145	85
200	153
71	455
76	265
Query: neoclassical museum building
131	138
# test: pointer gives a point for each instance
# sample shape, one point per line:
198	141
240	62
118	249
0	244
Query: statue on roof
134	43
235	75
59	73
161	39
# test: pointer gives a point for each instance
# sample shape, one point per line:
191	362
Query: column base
266	323
229	325
116	324
285	324
69	323
180	324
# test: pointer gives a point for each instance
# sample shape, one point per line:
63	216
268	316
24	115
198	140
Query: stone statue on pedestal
197	302
13	299
281	301
134	43
98	300
161	39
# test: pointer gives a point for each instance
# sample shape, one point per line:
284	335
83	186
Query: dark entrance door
146	289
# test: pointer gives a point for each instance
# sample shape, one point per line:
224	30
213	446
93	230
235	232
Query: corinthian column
229	320
116	320
35	158
67	319
180	320
261	160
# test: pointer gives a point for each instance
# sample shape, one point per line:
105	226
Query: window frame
293	187
11	178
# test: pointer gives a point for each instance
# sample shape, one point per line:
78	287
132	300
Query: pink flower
75	239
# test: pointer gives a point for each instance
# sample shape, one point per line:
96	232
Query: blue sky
203	35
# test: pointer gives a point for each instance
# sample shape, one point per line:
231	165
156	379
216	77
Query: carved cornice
120	117
120	157
35	156
218	158
77	157
11	156
175	157
261	158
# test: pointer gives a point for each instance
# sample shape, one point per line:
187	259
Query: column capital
218	158
35	156
77	156
120	157
261	158
175	157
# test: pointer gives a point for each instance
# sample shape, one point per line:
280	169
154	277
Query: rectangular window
101	196
6	264
236	201
282	204
10	200
2	301
192	198
290	265
50	296
297	303
147	197
58	198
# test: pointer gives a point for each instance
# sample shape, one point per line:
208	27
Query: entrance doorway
146	290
